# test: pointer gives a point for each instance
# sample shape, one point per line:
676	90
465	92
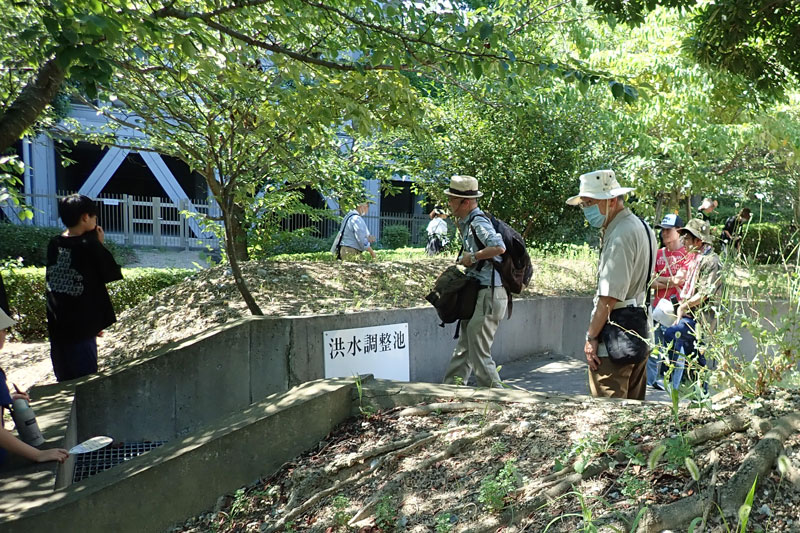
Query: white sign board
378	350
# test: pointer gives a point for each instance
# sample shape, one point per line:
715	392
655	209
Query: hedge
395	236
769	242
30	243
26	295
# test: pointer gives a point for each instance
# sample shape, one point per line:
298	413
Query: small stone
261	272
765	510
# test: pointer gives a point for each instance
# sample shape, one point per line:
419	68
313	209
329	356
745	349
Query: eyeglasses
588	203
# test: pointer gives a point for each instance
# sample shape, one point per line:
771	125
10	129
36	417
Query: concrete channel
235	403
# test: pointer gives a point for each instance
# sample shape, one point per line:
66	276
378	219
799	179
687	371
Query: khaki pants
474	349
349	254
619	381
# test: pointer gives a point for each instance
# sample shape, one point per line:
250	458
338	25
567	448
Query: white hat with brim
600	185
463	187
6	321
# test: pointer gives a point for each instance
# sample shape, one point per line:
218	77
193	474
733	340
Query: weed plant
496	490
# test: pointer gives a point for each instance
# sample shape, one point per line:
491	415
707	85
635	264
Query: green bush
395	236
27	242
768	242
291	243
30	243
26	295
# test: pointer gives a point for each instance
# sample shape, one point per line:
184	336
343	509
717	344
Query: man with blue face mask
626	249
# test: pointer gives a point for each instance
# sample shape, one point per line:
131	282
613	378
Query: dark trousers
74	359
683	336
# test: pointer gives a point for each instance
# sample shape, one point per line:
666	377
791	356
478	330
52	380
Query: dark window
400	202
132	177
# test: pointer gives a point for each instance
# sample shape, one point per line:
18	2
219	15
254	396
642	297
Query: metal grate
89	464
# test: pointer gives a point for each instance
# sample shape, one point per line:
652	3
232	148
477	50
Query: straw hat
600	185
463	187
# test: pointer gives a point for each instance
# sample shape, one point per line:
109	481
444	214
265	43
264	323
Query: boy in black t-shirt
78	305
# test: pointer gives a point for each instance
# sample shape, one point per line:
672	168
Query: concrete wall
184	477
182	387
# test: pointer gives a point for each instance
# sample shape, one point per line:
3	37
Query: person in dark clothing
732	231
78	305
706	210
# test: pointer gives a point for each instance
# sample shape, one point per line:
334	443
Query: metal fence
135	220
159	222
327	227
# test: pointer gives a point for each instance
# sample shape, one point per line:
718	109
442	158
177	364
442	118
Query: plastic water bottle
25	420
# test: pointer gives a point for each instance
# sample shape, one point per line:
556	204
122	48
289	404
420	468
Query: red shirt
671	263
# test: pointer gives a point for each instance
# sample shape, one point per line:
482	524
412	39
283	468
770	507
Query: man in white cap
627	246
707	207
474	349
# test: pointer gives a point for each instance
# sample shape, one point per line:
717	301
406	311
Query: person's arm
605	304
487	234
361	232
12	444
106	264
481	255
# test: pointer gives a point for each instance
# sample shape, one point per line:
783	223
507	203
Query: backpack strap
495	265
649	266
341	235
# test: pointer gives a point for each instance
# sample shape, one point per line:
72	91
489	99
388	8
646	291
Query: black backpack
454	295
515	267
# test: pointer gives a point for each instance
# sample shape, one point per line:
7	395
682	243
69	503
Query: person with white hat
626	250
473	353
705	209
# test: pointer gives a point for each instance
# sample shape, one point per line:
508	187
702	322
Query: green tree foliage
526	159
758	39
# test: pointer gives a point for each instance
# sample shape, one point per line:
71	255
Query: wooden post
156	221
183	207
127	218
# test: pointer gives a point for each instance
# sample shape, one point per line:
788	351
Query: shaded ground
570	463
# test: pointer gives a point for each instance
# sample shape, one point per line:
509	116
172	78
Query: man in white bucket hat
473	353
627	246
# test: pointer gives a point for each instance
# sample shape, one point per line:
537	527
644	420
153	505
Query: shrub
395	236
26	295
27	242
768	242
291	243
30	243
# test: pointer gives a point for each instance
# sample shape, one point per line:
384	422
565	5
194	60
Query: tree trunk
238	233
233	243
659	207
30	103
